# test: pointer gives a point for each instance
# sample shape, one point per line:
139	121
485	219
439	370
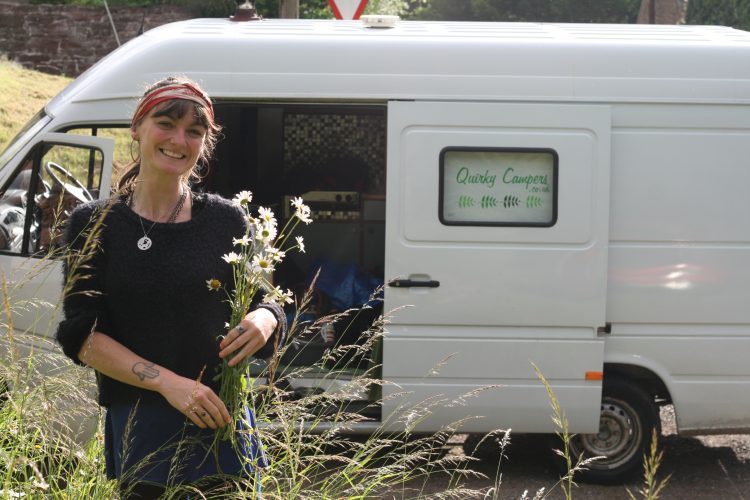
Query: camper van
567	197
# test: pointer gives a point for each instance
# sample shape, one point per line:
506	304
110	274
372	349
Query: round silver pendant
144	243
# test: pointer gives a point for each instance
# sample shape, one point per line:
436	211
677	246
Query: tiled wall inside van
345	147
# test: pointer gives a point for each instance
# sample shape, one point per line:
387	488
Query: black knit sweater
154	302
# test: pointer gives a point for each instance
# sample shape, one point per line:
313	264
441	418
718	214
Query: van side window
121	136
37	201
498	187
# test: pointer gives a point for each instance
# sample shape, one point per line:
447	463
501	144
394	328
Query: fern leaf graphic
511	201
534	202
465	201
488	201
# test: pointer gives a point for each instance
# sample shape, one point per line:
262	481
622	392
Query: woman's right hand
196	401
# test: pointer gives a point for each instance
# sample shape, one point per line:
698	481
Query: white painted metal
679	263
343	60
497	277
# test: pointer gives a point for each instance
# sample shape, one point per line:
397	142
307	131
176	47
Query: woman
138	311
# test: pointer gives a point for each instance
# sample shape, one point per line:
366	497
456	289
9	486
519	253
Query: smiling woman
138	312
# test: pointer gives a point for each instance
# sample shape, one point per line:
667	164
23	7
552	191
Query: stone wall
69	39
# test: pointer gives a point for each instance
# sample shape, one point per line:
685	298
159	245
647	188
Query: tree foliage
578	11
308	9
734	13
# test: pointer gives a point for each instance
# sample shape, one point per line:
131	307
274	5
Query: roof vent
379	21
245	12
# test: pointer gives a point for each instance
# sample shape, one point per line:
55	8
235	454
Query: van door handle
400	283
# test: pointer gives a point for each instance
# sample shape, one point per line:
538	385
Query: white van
573	196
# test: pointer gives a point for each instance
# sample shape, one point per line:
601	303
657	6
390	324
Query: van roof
343	60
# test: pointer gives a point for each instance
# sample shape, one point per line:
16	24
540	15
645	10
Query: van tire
628	417
483	446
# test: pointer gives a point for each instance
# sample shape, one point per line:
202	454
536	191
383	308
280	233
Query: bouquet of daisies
259	250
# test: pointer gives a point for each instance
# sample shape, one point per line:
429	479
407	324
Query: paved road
702	468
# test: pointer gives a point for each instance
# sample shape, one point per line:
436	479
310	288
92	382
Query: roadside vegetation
24	92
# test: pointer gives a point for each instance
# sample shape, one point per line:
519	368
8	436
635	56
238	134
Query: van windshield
37	122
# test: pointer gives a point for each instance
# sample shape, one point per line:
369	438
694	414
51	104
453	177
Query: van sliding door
496	240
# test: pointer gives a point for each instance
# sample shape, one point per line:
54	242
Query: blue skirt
152	442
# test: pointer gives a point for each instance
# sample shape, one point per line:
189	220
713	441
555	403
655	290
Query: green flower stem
235	389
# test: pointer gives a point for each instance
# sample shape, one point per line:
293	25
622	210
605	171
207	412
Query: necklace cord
172	217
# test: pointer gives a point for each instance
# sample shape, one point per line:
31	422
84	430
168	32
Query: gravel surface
702	467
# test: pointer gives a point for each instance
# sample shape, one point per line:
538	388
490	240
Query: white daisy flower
278	296
213	284
275	254
300	243
265	233
244	241
243	198
231	258
297	202
266	215
262	264
303	213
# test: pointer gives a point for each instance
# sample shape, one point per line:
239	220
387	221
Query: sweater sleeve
83	303
277	340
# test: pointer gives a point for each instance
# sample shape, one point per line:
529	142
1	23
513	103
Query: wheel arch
648	378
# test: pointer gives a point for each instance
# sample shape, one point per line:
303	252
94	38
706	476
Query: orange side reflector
594	375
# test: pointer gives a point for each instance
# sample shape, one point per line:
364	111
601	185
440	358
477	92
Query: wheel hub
618	435
615	429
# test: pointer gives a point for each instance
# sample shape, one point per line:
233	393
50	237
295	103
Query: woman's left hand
249	336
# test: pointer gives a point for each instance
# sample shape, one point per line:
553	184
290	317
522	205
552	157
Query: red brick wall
65	39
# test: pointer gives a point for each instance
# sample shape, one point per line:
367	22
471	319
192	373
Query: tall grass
44	410
652	487
306	435
566	482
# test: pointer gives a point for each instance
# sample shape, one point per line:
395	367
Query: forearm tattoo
145	370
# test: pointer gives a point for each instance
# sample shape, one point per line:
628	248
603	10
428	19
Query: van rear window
498	187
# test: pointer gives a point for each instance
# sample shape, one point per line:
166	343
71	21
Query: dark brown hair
175	108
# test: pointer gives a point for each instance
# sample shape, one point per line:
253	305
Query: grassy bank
24	93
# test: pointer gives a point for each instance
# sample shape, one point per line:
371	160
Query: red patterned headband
183	91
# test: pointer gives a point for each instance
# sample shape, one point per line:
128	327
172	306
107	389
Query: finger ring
240	329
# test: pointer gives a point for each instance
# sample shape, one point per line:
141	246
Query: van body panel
708	382
491	378
485	61
679	284
502	266
658	199
481	408
510	276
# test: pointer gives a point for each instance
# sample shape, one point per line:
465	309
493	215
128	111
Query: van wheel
628	415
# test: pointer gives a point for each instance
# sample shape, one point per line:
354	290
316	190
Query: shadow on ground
702	468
